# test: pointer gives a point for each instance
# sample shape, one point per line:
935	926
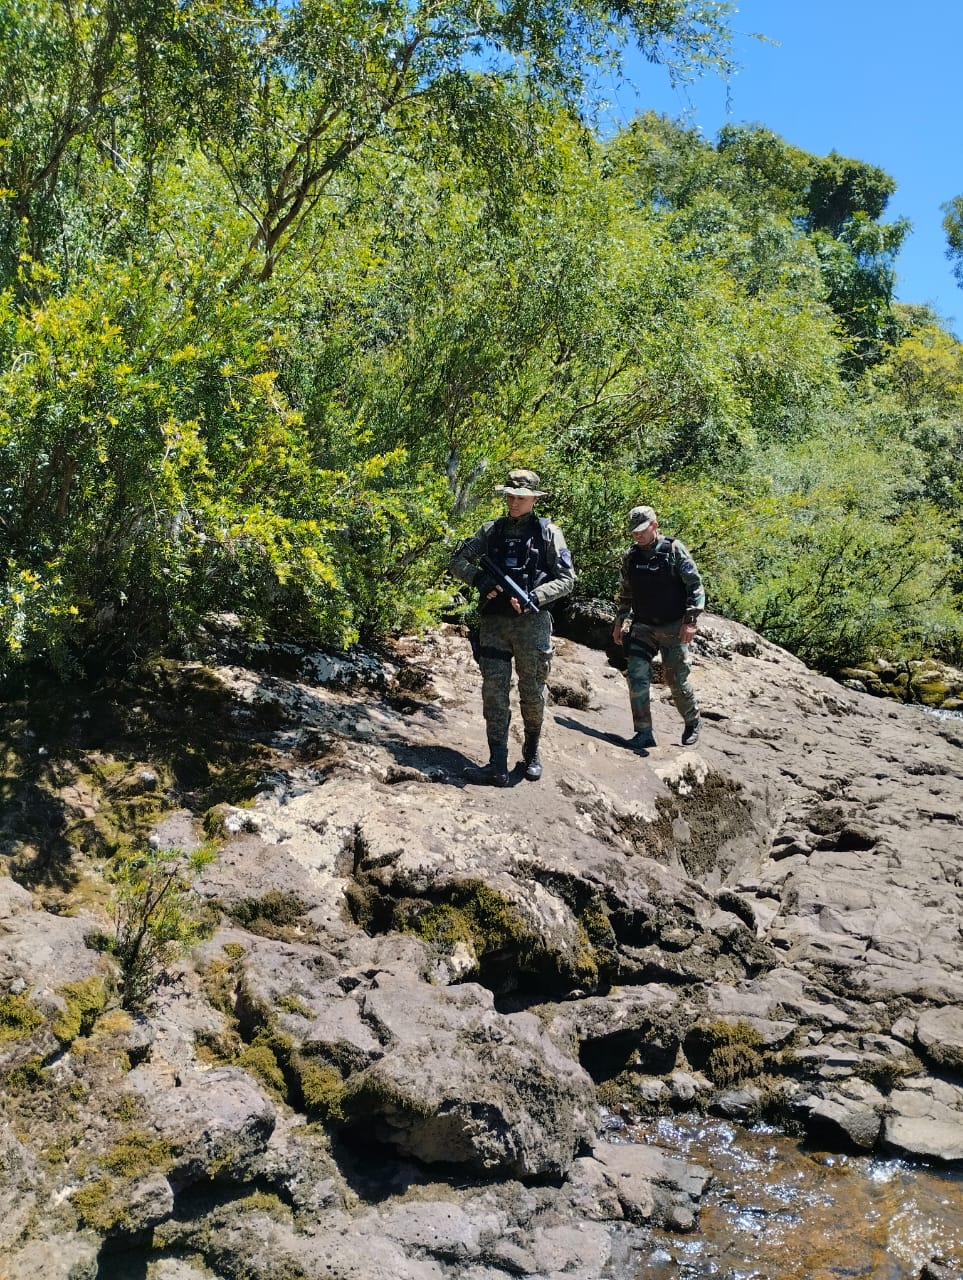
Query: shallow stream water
777	1210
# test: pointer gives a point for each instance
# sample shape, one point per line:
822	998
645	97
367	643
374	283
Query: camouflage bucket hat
523	484
641	518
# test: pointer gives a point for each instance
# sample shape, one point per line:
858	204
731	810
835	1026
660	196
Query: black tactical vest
658	593
519	552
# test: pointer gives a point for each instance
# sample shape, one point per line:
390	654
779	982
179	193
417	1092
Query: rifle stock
508	585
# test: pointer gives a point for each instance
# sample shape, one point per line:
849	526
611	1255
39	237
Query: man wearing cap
532	552
658	605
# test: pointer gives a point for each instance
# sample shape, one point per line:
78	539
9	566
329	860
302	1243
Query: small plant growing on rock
322	1088
276	914
29	1077
157	918
266	1058
735	1054
18	1017
83	1002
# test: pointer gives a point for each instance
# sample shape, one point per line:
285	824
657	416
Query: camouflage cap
641	518
523	484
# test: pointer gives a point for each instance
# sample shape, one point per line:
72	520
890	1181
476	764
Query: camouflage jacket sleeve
558	566
623	601
464	563
695	596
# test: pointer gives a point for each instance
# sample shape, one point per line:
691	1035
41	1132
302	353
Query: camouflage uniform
661	589
505	635
528	639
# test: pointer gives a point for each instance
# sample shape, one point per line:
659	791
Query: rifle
507	584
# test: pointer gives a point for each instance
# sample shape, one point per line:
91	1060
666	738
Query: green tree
844	204
292	95
57	72
953	225
914	403
285	284
817	547
779	213
284	97
149	467
840	189
761	169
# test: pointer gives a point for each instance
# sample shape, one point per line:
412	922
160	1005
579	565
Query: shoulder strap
663	553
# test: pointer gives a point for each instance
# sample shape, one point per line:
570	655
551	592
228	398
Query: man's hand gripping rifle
508	585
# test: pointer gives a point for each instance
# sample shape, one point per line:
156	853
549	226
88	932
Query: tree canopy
283	288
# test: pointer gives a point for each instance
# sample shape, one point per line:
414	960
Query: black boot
495	773
533	761
690	735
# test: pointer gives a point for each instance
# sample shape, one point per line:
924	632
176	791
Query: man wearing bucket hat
659	603
531	552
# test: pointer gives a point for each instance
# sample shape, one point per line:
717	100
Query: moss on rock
275	914
85	1001
18	1017
728	1052
261	1061
322	1087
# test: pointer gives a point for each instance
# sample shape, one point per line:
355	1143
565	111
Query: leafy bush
157	918
816	549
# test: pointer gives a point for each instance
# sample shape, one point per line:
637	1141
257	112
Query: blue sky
875	80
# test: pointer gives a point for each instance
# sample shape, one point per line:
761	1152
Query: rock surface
388	1057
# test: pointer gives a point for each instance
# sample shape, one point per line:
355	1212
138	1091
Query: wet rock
586	621
297	1163
639	1183
925	1121
281	882
342	1036
652	1092
261	1246
751	1007
450	954
41	951
842	1057
449	1231
852	1116
561	1248
17	1188
149	1202
641	1026
941	1269
745	1103
176	1269
178	830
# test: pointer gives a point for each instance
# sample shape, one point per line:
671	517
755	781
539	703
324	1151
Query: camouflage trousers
526	638
641	645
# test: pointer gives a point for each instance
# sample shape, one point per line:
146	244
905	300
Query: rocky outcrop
924	681
418	999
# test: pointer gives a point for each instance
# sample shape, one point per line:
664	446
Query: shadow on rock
614	738
438	764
